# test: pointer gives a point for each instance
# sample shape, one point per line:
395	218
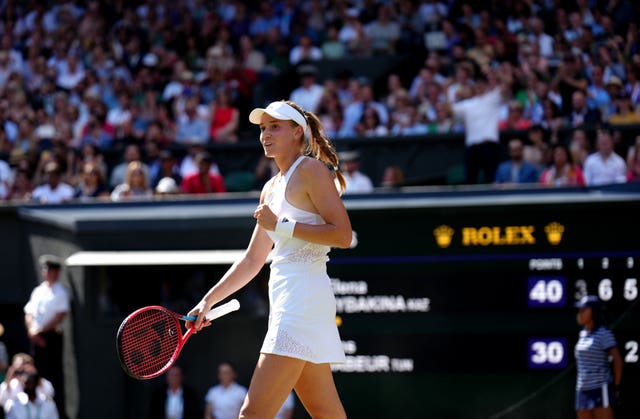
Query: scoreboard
463	308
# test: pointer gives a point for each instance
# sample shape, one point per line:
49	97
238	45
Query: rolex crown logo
443	235
554	232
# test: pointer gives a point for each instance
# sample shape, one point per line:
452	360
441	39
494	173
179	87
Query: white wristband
285	227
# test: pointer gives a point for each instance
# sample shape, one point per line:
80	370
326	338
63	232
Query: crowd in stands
142	77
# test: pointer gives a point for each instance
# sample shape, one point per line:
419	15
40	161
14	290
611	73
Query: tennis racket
150	339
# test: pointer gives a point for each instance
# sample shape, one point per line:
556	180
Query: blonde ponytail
318	145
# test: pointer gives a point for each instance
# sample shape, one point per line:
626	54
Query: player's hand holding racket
150	339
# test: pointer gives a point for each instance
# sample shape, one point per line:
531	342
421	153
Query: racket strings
148	341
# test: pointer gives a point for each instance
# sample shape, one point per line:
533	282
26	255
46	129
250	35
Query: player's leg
585	414
603	413
317	392
271	383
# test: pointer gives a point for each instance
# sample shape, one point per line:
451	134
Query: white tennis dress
302	313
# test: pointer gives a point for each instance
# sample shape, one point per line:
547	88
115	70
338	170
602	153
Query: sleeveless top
292	250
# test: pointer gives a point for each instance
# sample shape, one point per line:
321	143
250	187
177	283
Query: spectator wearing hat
357	182
598	379
203	181
309	92
167	186
44	313
624	113
54	190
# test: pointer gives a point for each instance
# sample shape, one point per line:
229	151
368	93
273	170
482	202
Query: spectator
569	79
309	93
393	177
135	185
579	147
31	400
175	399
4	356
357	182
516	119
224	400
597	94
332	48
54	191
370	125
225	118
305	51
167	186
167	168
92	184
22	363
119	172
48	306
395	92
633	167
22	187
624	113
537	150
479	111
563	172
604	166
353	34
6	179
203	181
516	170
581	114
384	32
633	151
191	127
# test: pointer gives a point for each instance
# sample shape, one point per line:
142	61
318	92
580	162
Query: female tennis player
299	218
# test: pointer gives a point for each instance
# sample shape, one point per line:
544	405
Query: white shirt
175	405
357	182
46	195
598	171
481	116
308	98
6	179
22	408
226	401
14	387
47	301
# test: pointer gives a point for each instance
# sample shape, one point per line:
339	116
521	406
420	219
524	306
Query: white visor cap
279	110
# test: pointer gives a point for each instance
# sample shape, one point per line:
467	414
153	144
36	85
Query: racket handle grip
220	311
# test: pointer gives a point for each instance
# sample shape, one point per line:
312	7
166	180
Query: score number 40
550	291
